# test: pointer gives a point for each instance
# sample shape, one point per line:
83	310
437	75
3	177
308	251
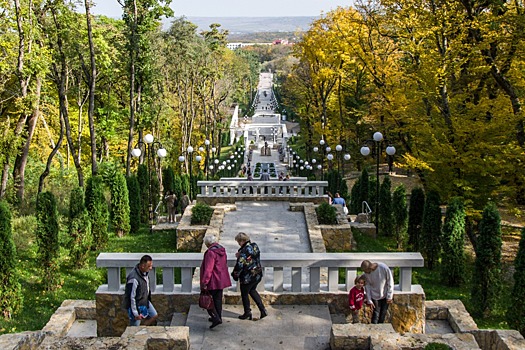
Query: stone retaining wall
54	335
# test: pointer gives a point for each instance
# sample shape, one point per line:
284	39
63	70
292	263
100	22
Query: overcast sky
235	8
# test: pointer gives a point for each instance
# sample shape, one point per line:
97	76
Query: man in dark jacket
137	298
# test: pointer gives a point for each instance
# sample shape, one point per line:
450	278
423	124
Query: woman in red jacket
214	276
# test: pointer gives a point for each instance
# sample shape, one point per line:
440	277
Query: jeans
146	312
250	289
380	309
216	312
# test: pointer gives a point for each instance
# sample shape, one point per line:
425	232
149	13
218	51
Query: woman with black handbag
248	272
214	277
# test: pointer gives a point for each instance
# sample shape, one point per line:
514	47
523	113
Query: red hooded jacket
214	268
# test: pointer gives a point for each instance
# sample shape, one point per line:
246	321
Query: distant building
235	46
281	42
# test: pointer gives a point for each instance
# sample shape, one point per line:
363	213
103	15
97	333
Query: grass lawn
434	289
38	304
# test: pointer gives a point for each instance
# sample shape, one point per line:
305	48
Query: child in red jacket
356	296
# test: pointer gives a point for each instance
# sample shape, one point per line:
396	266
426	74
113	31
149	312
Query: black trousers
247	290
216	312
380	309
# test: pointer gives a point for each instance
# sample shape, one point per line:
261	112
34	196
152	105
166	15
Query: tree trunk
92	78
132	104
21	159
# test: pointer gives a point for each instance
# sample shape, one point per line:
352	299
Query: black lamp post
377	141
150	146
182	158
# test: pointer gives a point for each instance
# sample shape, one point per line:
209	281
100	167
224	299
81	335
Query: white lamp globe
198	158
216	161
328	149
207	142
319	167
201	149
330	156
302	168
347	156
365	150
213	149
377	136
316	149
136	152
161	152
338	148
211	167
148	138
189	149
229	167
390	150
321	142
181	159
314	161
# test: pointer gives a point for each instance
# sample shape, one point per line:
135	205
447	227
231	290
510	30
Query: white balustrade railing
275	264
262	188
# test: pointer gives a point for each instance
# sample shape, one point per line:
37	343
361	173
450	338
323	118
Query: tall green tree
80	237
98	211
486	281
47	239
119	203
516	308
386	220
400	214
453	260
431	234
10	288
134	203
415	218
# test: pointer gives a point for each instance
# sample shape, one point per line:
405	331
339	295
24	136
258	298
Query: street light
150	146
377	139
189	152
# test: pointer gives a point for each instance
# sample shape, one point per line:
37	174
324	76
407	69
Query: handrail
363	205
262	188
283	271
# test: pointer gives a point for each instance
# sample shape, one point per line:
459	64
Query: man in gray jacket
137	298
379	288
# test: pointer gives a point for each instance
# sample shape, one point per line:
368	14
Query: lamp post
377	139
206	161
182	158
321	143
151	146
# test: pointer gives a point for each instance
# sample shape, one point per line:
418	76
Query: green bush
119	204
386	220
143	179
201	214
47	239
453	261
516	307
80	238
415	218
431	229
400	214
437	346
10	289
326	214
97	207
134	203
486	281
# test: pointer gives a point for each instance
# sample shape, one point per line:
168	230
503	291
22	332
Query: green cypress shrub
80	238
201	214
134	203
185	181
453	261
97	207
143	179
168	179
400	214
10	289
415	218
47	238
364	188
486	281
119	204
326	214
431	229
386	220
516	310
355	204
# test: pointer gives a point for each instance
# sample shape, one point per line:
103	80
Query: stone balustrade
274	264
282	190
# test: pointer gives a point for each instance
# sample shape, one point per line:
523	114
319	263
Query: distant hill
243	25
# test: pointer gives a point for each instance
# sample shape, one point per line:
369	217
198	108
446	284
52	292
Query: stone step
286	327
